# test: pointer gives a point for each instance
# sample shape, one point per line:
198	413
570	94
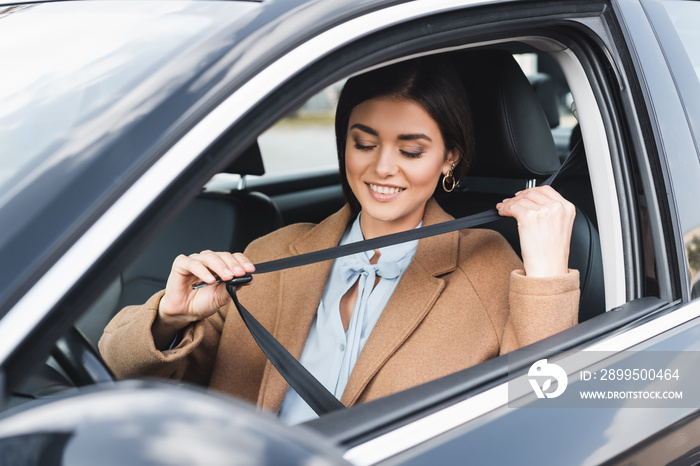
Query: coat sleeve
539	307
128	348
127	344
522	309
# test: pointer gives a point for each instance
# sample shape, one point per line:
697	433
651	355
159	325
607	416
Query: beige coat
461	301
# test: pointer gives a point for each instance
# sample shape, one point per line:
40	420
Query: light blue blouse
330	353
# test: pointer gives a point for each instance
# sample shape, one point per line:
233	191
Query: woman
378	322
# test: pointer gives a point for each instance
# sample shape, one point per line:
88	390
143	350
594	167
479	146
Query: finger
517	208
533	194
548	191
537	197
232	263
555	204
555	196
216	263
247	265
236	262
189	266
186	266
549	199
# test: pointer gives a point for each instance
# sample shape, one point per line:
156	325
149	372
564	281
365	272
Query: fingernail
248	266
517	193
228	272
239	269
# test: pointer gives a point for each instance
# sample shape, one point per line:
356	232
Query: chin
385	213
380	216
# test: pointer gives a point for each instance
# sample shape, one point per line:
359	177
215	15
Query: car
131	132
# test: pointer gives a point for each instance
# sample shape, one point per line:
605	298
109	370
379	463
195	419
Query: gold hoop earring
453	182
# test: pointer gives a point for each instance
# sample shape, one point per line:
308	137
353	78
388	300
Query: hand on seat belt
182	304
545	221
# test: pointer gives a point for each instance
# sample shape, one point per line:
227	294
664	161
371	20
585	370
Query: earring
452	180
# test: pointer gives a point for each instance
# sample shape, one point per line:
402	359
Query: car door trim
601	176
433	425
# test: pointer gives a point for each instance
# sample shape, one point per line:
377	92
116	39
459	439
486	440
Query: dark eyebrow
364	128
413	137
402	137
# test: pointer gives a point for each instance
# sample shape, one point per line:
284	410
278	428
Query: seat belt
299	378
318	397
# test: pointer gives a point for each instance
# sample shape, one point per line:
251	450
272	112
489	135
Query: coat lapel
302	289
301	292
413	298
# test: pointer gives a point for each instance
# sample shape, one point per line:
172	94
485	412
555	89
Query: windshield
63	63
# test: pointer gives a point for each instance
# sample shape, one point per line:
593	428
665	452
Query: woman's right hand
181	304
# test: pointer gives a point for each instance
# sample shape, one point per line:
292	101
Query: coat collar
438	254
302	289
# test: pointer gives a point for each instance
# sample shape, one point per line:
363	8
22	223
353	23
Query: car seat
514	149
221	221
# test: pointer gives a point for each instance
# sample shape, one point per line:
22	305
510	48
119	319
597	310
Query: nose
385	163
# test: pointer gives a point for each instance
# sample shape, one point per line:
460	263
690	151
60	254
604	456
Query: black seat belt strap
299	378
378	242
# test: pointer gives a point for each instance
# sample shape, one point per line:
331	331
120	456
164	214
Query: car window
303	140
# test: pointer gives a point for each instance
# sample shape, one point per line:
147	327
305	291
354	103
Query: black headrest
511	132
248	163
546	93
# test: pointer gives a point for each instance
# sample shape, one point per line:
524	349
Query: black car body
116	114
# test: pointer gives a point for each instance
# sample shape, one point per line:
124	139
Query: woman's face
394	157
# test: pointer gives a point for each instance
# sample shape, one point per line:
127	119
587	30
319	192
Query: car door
648	127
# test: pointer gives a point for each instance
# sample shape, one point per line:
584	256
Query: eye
411	155
363	148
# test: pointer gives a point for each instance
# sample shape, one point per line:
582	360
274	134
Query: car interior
515	148
524	130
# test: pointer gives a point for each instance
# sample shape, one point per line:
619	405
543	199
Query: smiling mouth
384	189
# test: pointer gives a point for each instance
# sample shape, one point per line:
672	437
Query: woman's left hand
545	220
